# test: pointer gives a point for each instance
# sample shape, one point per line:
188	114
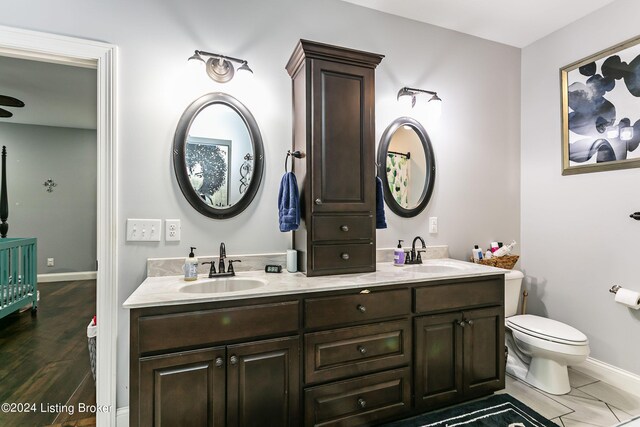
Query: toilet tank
512	286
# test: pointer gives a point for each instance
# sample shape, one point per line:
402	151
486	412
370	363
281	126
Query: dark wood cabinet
263	383
185	389
345	357
458	355
334	124
249	384
438	360
360	401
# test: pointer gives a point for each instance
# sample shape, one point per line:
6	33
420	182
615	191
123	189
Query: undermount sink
439	267
222	285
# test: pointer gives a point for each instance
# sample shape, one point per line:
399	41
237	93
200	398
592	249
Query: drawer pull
362	403
361	308
344	228
233	359
318	202
219	362
362	349
345	256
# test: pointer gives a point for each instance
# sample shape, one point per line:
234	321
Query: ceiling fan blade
10	101
5	113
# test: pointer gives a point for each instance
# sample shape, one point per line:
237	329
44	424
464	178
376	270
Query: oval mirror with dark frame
218	155
406	165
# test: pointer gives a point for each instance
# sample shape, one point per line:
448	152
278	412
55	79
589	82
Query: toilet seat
547	329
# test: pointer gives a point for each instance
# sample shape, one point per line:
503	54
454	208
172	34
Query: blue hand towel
381	221
289	203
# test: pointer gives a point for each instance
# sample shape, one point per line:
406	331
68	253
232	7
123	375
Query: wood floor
44	360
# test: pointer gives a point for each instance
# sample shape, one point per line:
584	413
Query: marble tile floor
589	403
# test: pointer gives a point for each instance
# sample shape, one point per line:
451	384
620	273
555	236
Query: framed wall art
601	110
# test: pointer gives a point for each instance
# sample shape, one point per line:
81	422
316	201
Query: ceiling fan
9	101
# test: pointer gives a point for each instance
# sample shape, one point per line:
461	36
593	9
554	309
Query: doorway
51	181
78	52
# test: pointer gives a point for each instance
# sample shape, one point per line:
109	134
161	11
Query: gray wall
476	195
577	237
63	221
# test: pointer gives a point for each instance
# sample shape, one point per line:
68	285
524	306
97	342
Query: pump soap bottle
191	267
398	255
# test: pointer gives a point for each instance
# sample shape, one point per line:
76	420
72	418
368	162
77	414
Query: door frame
102	57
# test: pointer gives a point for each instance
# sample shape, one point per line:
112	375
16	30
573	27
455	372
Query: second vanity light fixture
220	67
413	92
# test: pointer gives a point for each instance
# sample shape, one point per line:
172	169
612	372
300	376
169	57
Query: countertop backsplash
157	267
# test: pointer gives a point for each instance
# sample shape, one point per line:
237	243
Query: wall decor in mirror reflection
601	110
406	165
218	155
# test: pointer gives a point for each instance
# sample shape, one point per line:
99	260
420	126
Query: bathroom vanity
355	349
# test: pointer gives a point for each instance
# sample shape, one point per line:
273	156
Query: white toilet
539	348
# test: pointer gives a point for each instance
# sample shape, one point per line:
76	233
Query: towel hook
297	154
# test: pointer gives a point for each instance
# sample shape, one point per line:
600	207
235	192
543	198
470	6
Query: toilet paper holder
615	288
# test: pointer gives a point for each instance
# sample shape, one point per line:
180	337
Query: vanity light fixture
413	92
219	67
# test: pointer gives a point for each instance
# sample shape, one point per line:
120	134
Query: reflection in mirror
217	145
406	166
218	155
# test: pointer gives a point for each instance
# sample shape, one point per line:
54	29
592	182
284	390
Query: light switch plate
172	230
433	225
144	230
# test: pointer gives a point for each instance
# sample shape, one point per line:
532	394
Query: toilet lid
547	329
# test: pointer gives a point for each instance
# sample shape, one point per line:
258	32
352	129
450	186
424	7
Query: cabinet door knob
469	322
344	256
344	227
233	359
362	403
219	362
362	349
318	202
361	308
461	323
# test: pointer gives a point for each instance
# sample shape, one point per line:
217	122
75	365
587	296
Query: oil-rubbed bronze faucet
223	255
414	256
221	269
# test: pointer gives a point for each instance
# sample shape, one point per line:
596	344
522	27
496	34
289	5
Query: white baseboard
64	277
617	377
122	417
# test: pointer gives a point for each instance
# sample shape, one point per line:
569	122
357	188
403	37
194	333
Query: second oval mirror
406	165
218	155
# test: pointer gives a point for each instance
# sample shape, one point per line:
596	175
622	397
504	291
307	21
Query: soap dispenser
398	255
191	267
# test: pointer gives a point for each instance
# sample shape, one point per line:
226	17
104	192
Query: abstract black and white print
603	100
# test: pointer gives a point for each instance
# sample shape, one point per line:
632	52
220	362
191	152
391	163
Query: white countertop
169	290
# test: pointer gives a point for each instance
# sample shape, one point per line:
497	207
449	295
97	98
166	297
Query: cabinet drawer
200	328
342	227
338	353
334	311
359	401
459	295
349	258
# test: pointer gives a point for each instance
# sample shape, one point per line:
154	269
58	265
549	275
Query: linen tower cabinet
334	124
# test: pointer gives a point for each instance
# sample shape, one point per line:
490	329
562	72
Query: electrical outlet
144	230
172	230
433	225
50	262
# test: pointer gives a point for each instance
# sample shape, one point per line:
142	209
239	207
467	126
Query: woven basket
507	261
